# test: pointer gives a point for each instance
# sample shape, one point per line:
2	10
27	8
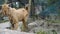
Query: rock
5	18
7	25
4	25
7	31
36	23
32	25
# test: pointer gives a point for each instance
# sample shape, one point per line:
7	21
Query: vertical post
29	7
6	1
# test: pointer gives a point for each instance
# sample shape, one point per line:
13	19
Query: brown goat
15	16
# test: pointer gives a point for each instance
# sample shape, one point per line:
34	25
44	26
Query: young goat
15	16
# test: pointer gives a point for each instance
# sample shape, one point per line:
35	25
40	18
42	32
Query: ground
38	27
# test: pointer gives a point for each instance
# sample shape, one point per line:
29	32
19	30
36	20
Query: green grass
46	32
54	21
54	32
41	32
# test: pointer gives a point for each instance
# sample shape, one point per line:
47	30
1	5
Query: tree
50	2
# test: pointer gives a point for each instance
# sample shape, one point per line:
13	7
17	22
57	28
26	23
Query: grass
54	32
46	32
41	32
53	21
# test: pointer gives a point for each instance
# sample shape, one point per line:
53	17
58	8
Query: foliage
46	32
54	32
50	2
41	32
54	21
1	2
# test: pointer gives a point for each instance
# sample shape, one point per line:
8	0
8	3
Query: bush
41	32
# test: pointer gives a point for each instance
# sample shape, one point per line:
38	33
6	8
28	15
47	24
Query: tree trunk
6	1
29	7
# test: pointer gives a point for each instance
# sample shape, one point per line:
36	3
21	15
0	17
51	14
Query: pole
29	8
6	1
